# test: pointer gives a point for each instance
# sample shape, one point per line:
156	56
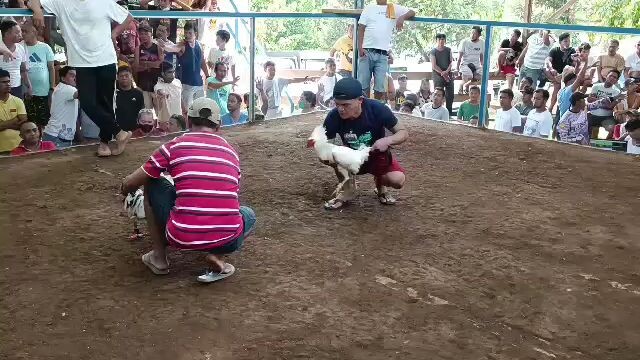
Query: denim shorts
535	74
162	198
60	144
376	64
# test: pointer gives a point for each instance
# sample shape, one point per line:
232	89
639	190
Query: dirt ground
500	247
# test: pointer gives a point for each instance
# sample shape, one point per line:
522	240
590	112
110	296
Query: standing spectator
327	82
168	47
222	54
603	116
128	42
574	126
632	133
539	121
344	47
526	105
375	29
168	92
424	95
401	92
17	67
470	59
510	50
147	64
235	116
218	89
171	25
129	100
41	75
559	57
632	64
86	26
442	62
63	123
470	108
204	23
507	117
532	59
435	110
191	60
270	90
12	115
610	61
31	142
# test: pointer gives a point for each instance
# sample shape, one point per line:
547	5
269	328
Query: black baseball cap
576	96
347	89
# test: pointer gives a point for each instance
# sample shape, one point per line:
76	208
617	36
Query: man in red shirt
31	142
202	210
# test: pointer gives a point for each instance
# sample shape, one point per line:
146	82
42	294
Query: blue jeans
535	74
376	64
60	144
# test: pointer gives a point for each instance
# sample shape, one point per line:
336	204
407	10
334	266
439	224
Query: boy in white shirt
327	82
508	117
221	54
168	92
435	110
62	126
539	121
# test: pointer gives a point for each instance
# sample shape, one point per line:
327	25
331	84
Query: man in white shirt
220	53
435	110
375	29
86	25
603	116
18	66
531	61
168	91
539	121
632	64
471	58
632	133
327	82
62	125
508	117
270	90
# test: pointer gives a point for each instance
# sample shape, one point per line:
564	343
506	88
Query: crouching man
202	211
361	121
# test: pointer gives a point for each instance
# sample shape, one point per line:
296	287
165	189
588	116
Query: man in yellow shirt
12	115
610	61
344	46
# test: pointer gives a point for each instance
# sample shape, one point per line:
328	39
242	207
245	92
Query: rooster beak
310	143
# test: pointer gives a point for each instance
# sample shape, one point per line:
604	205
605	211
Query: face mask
146	128
303	105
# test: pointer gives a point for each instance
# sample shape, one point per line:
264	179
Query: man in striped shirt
532	59
202	211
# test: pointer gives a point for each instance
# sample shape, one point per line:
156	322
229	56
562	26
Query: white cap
205	103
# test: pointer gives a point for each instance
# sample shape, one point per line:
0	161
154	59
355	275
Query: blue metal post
485	77
252	68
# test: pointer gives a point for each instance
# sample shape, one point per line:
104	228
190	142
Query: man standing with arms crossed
344	46
375	29
86	25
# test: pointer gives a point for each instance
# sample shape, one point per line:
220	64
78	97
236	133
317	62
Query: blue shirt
564	100
366	129
40	55
191	63
228	121
220	96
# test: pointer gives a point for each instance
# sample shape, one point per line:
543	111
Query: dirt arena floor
500	247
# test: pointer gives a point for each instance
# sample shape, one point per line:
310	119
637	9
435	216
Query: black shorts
601	121
38	110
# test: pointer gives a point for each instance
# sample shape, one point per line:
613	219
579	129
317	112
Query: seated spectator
147	64
507	117
41	75
307	102
257	113
539	122
12	115
632	64
168	93
326	84
413	98
632	133
129	100
436	110
401	91
408	107
573	126
146	123
31	142
219	53
603	116
63	124
470	59
270	90
177	124
526	104
517	93
610	61
630	102
510	50
18	66
471	107
176	210
218	89
424	95
235	115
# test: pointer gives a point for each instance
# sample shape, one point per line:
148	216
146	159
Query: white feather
343	156
134	205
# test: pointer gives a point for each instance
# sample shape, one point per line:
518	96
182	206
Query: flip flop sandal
335	204
385	198
212	276
146	259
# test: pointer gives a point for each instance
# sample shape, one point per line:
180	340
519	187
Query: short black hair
245	98
218	63
614	41
310	97
329	61
124	68
545	94
614	71
474	87
632	124
180	120
409	104
529	79
444	92
441	36
237	96
190	25
507	92
268	63
564	36
478	29
7	25
4	73
528	90
64	71
166	66
517	32
585	46
224	35
570	76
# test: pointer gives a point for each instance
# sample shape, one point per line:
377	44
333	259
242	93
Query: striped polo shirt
206	172
537	52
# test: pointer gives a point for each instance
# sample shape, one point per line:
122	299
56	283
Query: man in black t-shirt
510	50
559	57
129	100
442	63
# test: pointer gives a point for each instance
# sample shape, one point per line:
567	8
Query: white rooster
348	161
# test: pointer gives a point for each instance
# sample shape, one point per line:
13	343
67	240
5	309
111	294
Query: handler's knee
395	179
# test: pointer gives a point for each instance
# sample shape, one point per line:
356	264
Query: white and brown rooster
348	161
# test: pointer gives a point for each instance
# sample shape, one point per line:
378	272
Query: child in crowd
222	54
146	123
258	115
326	84
168	93
31	140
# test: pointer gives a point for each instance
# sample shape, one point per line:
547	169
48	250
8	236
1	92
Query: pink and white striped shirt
206	172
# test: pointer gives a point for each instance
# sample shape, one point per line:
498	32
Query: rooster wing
350	159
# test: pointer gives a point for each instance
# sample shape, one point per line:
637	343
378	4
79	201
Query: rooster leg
345	177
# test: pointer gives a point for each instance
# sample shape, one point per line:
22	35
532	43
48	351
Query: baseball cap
347	89
204	103
577	96
632	113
